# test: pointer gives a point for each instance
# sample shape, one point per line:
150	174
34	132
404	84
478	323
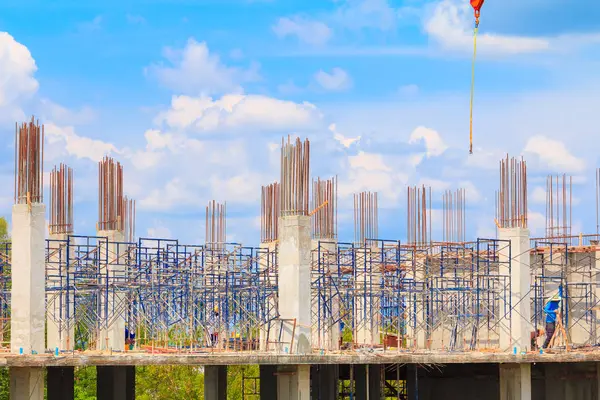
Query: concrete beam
60	383
115	383
215	382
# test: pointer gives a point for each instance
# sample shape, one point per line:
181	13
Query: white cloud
337	80
434	144
17	68
553	154
343	140
538	195
238	112
62	115
368	162
75	145
92	25
536	222
451	26
159	232
378	14
307	31
195	70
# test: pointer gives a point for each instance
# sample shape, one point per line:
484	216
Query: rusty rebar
366	218
454	216
511	198
269	213
61	200
216	225
29	163
295	172
559	194
418	221
115	211
324	206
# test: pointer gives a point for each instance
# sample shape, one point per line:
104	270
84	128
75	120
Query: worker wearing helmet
551	310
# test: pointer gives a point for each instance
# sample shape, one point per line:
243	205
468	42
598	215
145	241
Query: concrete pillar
115	383
215	382
112	331
515	381
28	312
368	381
26	383
367	289
515	330
268	382
293	382
268	279
60	330
325	381
416	321
326	303
60	383
294	283
28	279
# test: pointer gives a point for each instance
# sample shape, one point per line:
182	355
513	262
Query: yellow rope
472	90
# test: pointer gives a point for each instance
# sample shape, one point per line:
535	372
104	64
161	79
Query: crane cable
476	4
473	87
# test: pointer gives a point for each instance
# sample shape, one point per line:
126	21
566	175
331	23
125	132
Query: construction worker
551	310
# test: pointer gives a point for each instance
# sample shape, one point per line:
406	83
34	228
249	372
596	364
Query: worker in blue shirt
551	310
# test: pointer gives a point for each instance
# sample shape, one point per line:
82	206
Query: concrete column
28	279
28	313
515	381
368	381
26	383
325	381
268	382
215	382
326	305
294	283
115	383
293	382
112	333
367	315
267	280
416	324
59	330
516	329
60	383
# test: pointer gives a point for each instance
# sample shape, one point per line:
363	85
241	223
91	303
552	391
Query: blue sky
194	96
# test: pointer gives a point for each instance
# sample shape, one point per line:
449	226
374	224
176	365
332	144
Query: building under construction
412	318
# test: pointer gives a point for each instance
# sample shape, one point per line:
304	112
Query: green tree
4	235
168	382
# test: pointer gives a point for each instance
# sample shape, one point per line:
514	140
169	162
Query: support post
112	332
60	331
294	283
515	330
215	382
27	297
293	382
60	383
115	383
515	381
268	382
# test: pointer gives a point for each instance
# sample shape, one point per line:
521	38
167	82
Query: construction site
416	317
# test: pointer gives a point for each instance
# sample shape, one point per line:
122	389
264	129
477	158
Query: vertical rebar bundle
295	171
454	216
366	220
324	208
129	218
111	204
29	163
511	203
269	213
418	222
61	200
216	225
559	194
